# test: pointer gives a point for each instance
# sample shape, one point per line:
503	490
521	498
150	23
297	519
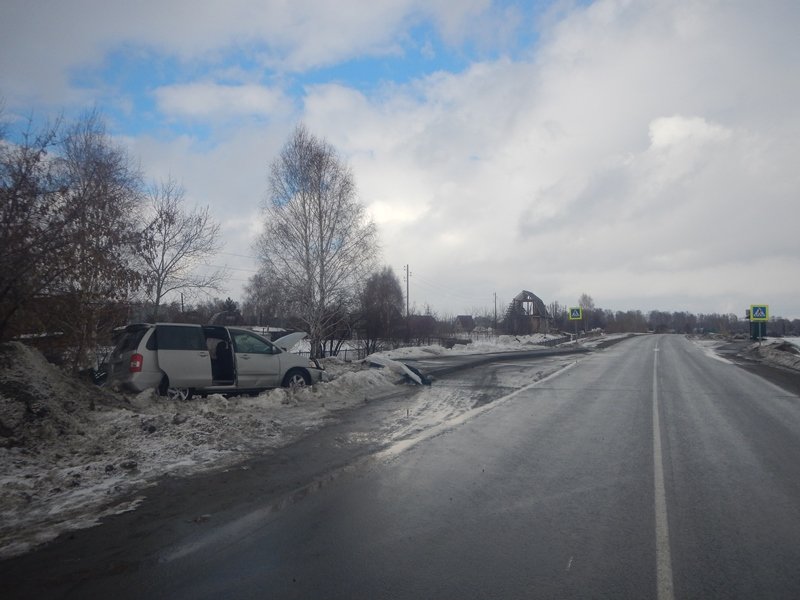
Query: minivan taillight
136	363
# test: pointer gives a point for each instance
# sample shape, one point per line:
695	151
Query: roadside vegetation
84	241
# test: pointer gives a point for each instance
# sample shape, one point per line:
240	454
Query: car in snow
180	360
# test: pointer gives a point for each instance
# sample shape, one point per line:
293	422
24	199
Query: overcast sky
644	152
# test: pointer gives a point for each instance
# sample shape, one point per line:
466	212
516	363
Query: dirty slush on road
73	454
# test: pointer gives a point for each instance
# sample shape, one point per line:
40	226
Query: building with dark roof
527	314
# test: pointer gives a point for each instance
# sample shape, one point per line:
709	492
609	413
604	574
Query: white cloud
642	152
230	178
677	130
42	44
392	212
196	100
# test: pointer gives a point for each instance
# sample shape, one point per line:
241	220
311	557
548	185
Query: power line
227	267
436	288
239	255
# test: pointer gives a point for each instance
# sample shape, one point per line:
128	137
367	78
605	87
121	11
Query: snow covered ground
793	340
709	345
70	451
782	352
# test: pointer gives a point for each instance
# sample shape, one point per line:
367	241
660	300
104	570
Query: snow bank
39	403
778	352
394	366
68	449
502	343
793	340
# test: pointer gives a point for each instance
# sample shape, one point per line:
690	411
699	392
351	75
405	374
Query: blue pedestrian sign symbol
575	313
759	312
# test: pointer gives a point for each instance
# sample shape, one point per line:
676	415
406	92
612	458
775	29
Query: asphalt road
646	470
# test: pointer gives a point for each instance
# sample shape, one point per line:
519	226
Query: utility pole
408	317
494	331
408	274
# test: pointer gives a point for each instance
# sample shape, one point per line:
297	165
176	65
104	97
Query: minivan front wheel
296	379
173	393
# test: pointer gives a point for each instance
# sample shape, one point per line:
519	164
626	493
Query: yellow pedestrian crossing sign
759	312
575	313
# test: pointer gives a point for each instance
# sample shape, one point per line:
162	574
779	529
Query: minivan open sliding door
183	355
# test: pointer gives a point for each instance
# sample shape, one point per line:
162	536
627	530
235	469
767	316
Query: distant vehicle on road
179	360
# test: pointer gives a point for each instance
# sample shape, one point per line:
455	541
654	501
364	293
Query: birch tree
316	236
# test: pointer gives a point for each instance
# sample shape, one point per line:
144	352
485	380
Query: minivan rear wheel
296	379
173	393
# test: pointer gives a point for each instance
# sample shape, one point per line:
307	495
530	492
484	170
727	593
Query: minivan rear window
173	337
129	342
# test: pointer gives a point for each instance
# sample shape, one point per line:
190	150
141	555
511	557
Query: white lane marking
569	564
663	557
401	446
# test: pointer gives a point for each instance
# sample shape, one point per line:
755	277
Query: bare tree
265	300
101	195
382	304
586	302
32	223
176	240
316	235
69	199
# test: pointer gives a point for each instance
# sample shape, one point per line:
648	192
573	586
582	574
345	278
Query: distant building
527	314
421	328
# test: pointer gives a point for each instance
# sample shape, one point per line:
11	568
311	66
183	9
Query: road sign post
759	315
576	314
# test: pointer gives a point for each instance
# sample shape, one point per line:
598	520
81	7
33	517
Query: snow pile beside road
39	403
793	340
502	343
394	366
778	352
69	449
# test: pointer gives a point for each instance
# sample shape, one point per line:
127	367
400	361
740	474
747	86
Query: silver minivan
179	360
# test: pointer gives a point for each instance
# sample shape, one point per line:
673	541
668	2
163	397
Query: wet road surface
646	470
